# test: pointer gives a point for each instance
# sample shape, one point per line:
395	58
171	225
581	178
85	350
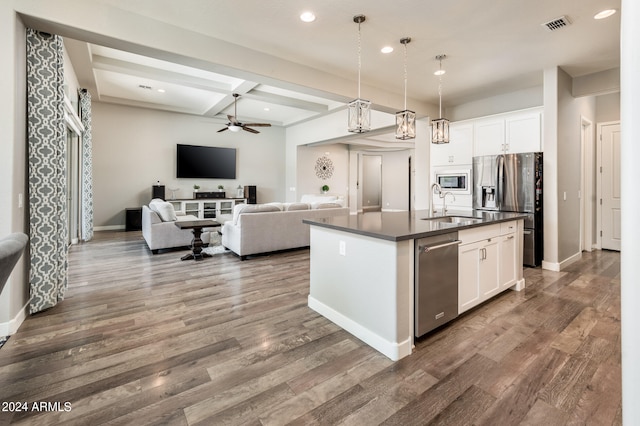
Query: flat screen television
205	162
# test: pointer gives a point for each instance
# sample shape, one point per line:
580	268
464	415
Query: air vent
142	86
556	24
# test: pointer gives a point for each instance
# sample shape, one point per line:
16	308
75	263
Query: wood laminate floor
143	339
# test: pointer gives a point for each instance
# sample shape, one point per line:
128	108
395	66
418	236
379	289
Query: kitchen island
362	268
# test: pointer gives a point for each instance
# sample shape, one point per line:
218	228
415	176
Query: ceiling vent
556	24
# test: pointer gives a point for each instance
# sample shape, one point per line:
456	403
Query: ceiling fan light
234	128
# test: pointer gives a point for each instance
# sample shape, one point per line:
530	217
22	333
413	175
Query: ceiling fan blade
249	129
258	124
222	130
232	119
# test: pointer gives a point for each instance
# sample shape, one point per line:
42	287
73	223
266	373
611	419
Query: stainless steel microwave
456	181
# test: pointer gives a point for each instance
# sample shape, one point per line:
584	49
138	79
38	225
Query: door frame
599	179
586	184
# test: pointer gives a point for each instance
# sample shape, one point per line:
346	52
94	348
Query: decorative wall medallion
324	168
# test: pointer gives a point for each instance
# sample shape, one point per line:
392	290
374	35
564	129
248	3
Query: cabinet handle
510	237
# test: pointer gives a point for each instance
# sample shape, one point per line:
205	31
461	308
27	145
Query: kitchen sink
458	220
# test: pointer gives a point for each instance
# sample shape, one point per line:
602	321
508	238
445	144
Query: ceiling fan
234	125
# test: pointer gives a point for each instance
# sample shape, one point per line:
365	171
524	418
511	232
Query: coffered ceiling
491	46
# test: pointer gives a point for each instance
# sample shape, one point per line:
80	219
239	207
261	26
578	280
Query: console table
196	244
207	208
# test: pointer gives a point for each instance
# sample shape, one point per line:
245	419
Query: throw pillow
166	211
153	204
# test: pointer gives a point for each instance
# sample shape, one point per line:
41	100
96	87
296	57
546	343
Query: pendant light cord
440	87
405	75
359	58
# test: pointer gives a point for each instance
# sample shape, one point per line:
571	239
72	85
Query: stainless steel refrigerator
513	183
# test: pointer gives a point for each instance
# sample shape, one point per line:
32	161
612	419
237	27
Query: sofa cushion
327	206
252	208
164	209
280	206
296	206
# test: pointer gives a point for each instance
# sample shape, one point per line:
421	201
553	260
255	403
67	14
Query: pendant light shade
440	126
406	119
359	109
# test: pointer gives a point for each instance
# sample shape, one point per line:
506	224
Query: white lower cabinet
487	263
508	263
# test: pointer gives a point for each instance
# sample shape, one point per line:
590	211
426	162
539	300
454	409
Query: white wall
608	107
512	101
570	111
13	162
630	253
309	183
134	147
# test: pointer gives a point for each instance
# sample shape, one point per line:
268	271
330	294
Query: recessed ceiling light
604	14
387	49
267	109
307	17
161	90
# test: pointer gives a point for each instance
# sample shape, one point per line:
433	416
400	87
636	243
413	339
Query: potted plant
220	188
325	189
196	187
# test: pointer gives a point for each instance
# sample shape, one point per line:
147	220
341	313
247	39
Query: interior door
610	184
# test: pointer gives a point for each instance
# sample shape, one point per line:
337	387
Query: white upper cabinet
523	131
488	136
459	149
510	133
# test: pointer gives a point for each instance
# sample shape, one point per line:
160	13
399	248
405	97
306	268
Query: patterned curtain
87	168
47	170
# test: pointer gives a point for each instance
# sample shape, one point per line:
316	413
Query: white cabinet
508	255
510	133
487	263
207	208
478	272
488	136
523	132
459	149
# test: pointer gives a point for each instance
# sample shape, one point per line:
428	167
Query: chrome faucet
437	187
444	201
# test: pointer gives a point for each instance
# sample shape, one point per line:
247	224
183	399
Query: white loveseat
264	228
159	227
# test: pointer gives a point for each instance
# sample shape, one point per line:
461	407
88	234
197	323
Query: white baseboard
557	267
11	327
109	228
391	350
518	286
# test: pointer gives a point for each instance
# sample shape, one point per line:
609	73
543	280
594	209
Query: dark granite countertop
408	225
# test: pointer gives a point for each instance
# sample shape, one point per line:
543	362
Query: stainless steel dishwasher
436	281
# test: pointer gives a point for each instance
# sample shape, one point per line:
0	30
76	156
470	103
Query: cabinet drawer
479	233
508	227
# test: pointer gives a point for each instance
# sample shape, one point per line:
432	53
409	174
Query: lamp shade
359	116
405	124
440	131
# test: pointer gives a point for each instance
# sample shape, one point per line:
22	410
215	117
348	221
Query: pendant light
440	126
405	120
359	109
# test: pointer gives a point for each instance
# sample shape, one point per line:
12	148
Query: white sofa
264	228
160	231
